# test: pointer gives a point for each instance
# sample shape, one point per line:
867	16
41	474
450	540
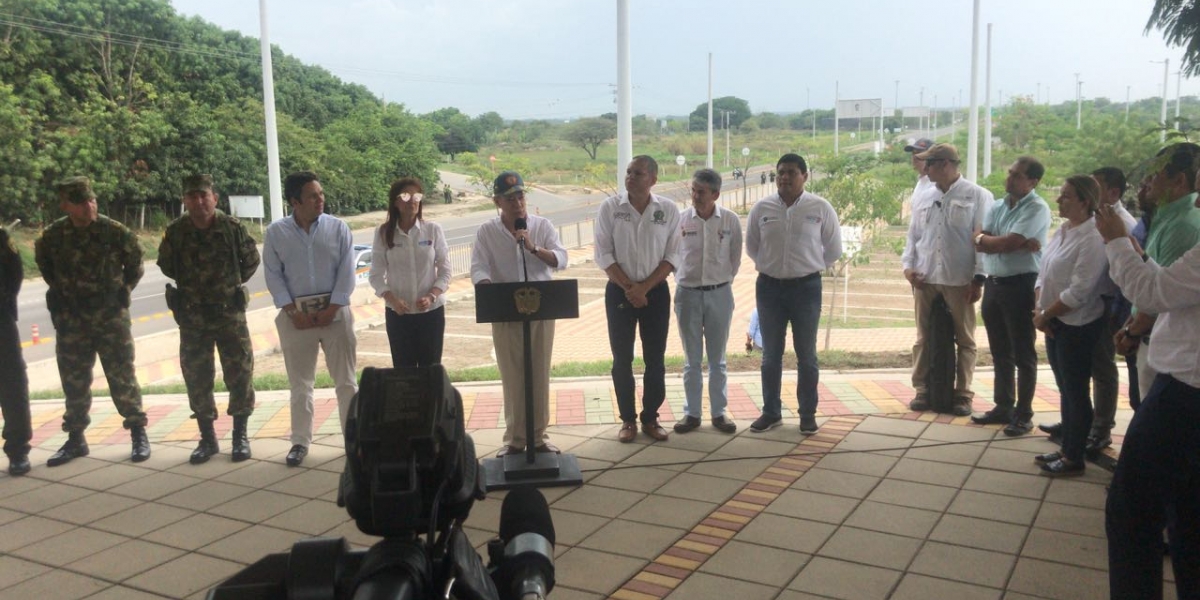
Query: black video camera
410	471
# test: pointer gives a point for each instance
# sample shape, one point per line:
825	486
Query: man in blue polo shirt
1014	232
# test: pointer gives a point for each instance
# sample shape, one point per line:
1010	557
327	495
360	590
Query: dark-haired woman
1070	312
410	270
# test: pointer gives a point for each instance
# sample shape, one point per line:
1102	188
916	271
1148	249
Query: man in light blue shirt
309	265
1013	234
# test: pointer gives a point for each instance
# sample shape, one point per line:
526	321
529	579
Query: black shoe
919	404
724	424
1018	427
1096	443
808	425
1054	430
1062	468
18	465
141	444
763	423
241	441
1042	459
75	447
296	455
208	445
996	416
961	408
686	424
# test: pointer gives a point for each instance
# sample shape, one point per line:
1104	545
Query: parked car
362	262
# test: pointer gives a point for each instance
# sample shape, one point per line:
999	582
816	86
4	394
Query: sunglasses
407	197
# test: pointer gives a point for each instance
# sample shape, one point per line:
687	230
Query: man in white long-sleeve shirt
497	258
1157	481
939	259
792	236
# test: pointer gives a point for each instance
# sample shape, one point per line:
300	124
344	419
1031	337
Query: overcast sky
557	58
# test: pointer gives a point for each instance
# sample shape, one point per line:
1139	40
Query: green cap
76	190
197	183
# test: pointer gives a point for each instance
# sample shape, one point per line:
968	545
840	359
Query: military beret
197	183
76	190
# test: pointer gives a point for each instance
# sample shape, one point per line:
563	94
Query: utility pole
709	161
726	113
624	94
1162	136
1178	82
1078	103
896	102
274	183
812	113
987	109
1127	103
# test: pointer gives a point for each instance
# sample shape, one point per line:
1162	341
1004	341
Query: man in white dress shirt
792	236
1157	480
710	252
637	246
497	258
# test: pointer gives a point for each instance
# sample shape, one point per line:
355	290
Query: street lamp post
1162	135
745	173
1078	103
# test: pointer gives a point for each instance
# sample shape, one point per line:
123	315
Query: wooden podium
526	302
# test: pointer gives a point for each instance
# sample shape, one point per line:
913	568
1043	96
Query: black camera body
410	472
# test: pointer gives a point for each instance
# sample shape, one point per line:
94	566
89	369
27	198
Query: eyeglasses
407	197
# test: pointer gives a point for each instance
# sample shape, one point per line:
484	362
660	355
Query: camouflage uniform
14	383
210	266
91	272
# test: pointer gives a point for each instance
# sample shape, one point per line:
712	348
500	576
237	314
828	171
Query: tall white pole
709	161
624	95
274	180
1078	103
726	138
973	123
987	109
835	118
811	113
1127	103
1162	136
1178	83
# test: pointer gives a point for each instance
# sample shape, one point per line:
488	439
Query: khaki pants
963	313
508	340
300	348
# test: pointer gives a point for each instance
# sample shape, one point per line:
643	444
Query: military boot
208	443
241	441
141	444
75	447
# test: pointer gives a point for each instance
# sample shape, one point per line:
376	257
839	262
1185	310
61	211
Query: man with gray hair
710	252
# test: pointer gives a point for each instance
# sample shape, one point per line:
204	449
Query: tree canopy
590	133
1179	21
136	97
739	111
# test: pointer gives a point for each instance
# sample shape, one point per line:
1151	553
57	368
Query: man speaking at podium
505	247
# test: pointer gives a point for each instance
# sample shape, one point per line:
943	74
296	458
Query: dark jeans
1135	390
14	391
783	301
1104	376
416	339
624	322
1071	352
1008	316
1157	482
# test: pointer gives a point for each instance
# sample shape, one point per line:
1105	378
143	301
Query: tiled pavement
880	504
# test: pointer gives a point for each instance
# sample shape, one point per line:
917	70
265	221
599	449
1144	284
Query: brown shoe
724	424
655	431
627	433
548	448
505	451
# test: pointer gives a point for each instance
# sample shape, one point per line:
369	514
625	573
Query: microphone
520	225
527	572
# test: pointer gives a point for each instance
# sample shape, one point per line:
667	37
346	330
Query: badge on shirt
768	219
623	216
425	243
813	219
659	218
689	231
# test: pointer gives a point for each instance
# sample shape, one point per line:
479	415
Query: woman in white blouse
1070	312
410	270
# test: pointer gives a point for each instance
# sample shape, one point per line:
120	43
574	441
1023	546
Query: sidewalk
882	503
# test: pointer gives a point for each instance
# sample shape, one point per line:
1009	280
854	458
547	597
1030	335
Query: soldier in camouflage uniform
210	255
91	264
14	383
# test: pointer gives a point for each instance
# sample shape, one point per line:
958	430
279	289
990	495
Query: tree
458	133
1179	20
590	133
739	110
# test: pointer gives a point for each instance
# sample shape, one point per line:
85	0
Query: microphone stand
527	334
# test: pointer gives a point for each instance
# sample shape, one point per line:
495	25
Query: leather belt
706	288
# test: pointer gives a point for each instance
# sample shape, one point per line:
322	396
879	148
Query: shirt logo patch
659	218
425	243
813	219
623	216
